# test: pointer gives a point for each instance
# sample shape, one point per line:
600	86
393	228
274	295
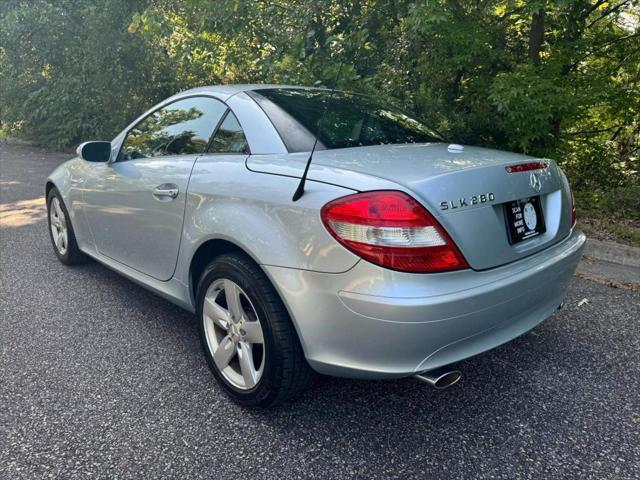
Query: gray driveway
101	379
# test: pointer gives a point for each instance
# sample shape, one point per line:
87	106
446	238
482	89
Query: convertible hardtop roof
227	91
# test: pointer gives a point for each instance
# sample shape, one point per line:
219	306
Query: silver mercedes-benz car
313	230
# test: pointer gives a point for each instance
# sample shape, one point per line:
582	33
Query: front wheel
61	231
248	339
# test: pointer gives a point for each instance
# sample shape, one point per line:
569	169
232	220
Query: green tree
556	78
71	70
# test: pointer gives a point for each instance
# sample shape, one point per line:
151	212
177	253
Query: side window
181	128
229	138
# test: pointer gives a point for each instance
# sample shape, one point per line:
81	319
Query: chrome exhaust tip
440	378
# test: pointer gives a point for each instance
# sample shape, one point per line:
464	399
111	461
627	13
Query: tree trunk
536	35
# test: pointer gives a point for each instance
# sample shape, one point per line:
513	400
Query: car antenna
300	190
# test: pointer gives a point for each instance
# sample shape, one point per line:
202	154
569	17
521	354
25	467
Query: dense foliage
558	78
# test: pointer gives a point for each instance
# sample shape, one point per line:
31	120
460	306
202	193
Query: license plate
524	219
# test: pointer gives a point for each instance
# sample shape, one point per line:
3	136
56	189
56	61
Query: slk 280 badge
466	201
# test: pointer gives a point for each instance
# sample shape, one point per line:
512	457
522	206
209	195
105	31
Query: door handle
166	191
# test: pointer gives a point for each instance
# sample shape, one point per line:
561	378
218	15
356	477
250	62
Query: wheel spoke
58	241
253	332
215	312
56	206
224	353
247	368
232	294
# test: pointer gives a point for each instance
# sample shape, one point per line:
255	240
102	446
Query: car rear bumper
370	322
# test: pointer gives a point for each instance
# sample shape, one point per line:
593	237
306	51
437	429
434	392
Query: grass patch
610	215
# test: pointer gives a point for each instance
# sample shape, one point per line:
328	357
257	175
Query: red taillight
573	209
525	167
391	229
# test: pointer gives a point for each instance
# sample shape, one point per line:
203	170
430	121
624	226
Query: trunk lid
467	191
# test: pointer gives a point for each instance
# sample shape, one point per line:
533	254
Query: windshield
339	119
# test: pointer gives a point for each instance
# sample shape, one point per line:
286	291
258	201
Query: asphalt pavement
101	379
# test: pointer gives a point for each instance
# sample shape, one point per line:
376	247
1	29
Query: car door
135	204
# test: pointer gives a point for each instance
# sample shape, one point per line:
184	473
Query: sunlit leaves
78	69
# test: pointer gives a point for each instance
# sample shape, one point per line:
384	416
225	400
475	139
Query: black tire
286	371
72	255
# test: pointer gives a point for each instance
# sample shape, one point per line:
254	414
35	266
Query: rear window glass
339	119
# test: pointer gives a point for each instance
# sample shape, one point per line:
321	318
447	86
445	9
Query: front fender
69	179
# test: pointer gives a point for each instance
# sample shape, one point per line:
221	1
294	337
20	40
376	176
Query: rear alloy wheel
61	231
234	334
247	336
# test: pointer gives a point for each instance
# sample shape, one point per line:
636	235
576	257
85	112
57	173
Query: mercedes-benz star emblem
535	181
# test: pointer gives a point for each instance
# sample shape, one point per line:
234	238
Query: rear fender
254	211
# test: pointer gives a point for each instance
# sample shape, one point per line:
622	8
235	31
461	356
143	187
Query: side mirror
95	151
